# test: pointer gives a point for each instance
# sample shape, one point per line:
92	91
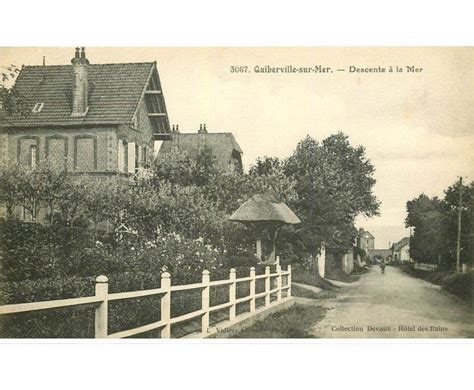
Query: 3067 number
239	69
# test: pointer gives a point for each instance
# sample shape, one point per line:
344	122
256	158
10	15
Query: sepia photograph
236	192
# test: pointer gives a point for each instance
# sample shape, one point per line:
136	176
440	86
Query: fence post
166	305
252	290
267	285
205	301
279	281
101	311
232	294
288	294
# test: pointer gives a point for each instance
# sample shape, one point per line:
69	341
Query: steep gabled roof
365	234
222	146
114	92
400	244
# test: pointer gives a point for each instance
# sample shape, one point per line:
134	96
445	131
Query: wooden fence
426	266
102	298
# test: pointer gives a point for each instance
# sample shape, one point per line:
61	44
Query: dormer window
38	107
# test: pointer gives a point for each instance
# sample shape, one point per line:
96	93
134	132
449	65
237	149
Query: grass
461	285
301	292
341	276
294	322
302	275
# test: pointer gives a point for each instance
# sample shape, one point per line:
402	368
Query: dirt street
395	305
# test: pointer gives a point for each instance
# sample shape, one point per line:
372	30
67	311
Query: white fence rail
426	266
102	298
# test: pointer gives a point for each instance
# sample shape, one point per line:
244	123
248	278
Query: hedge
79	322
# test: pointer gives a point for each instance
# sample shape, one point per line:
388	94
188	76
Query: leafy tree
52	182
354	172
334	183
265	165
425	214
10	187
450	206
205	167
175	168
436	226
13	103
179	169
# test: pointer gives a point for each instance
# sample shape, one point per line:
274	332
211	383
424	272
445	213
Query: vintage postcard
236	192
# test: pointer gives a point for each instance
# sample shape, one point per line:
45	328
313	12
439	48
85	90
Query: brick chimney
202	129
202	137
80	83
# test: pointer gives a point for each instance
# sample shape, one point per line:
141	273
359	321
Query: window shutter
120	156
137	156
131	157
140	156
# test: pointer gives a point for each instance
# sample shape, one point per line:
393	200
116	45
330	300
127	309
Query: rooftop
222	145
114	93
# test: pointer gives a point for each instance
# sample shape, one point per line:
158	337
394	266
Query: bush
461	285
44	263
78	322
70	322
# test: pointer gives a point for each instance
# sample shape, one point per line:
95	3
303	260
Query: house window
38	107
57	151
119	155
122	155
33	156
85	153
125	156
25	150
138	156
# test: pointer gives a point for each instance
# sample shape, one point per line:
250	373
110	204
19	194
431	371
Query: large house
87	118
223	146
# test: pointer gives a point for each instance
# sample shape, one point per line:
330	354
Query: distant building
380	254
365	240
401	250
223	146
86	118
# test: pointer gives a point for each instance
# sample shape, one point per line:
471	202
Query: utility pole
458	243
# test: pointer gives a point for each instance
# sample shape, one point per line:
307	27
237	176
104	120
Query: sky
417	127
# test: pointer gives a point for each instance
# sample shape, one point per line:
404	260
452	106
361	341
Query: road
395	305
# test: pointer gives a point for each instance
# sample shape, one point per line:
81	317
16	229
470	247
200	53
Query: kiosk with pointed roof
265	213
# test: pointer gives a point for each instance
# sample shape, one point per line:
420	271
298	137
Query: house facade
222	145
86	118
401	251
365	240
